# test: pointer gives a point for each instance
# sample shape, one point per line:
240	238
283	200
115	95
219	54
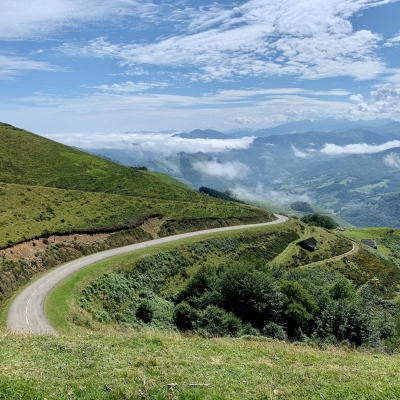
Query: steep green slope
29	159
32	211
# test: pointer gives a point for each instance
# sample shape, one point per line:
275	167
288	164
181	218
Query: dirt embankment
28	251
19	263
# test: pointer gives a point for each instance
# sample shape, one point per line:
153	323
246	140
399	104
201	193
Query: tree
251	295
319	220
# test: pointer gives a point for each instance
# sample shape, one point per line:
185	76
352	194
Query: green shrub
275	331
346	320
216	322
320	220
145	311
251	295
185	316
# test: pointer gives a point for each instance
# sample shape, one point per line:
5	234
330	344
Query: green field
147	365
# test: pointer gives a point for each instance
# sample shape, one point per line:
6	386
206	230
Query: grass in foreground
150	365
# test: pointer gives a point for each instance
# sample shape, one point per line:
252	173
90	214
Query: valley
165	292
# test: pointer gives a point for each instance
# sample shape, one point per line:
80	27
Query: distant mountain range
326	125
351	168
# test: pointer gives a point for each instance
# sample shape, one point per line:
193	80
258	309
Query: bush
217	322
319	220
185	316
249	330
300	307
250	295
275	331
345	320
301	206
145	311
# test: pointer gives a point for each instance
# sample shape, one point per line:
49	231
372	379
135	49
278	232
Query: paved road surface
26	313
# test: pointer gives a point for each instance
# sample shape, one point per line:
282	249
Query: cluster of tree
239	300
301	206
320	220
140	168
219	195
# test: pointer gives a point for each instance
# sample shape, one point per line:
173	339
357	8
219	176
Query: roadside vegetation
126	336
231	286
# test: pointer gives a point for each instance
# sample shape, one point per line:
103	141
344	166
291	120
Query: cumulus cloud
392	160
229	170
358	148
244	120
395	41
357	97
298	153
386	98
147	145
260	193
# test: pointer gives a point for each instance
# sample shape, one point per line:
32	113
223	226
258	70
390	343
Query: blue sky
87	66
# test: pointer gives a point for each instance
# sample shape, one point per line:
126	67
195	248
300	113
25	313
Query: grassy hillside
45	167
29	159
47	188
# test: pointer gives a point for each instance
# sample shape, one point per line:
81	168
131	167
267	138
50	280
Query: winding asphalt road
26	313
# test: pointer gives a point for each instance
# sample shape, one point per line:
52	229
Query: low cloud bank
298	153
229	170
262	194
358	148
157	144
392	160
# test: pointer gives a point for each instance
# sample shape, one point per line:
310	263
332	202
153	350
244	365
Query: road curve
26	312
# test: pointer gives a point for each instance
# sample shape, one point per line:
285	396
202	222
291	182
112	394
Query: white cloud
359	148
130	87
229	170
392	160
13	65
395	41
260	193
244	120
37	19
357	97
298	153
312	40
147	145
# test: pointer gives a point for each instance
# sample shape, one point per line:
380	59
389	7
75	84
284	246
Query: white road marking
41	324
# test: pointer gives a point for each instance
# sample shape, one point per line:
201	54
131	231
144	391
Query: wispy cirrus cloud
311	40
11	65
130	87
37	19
